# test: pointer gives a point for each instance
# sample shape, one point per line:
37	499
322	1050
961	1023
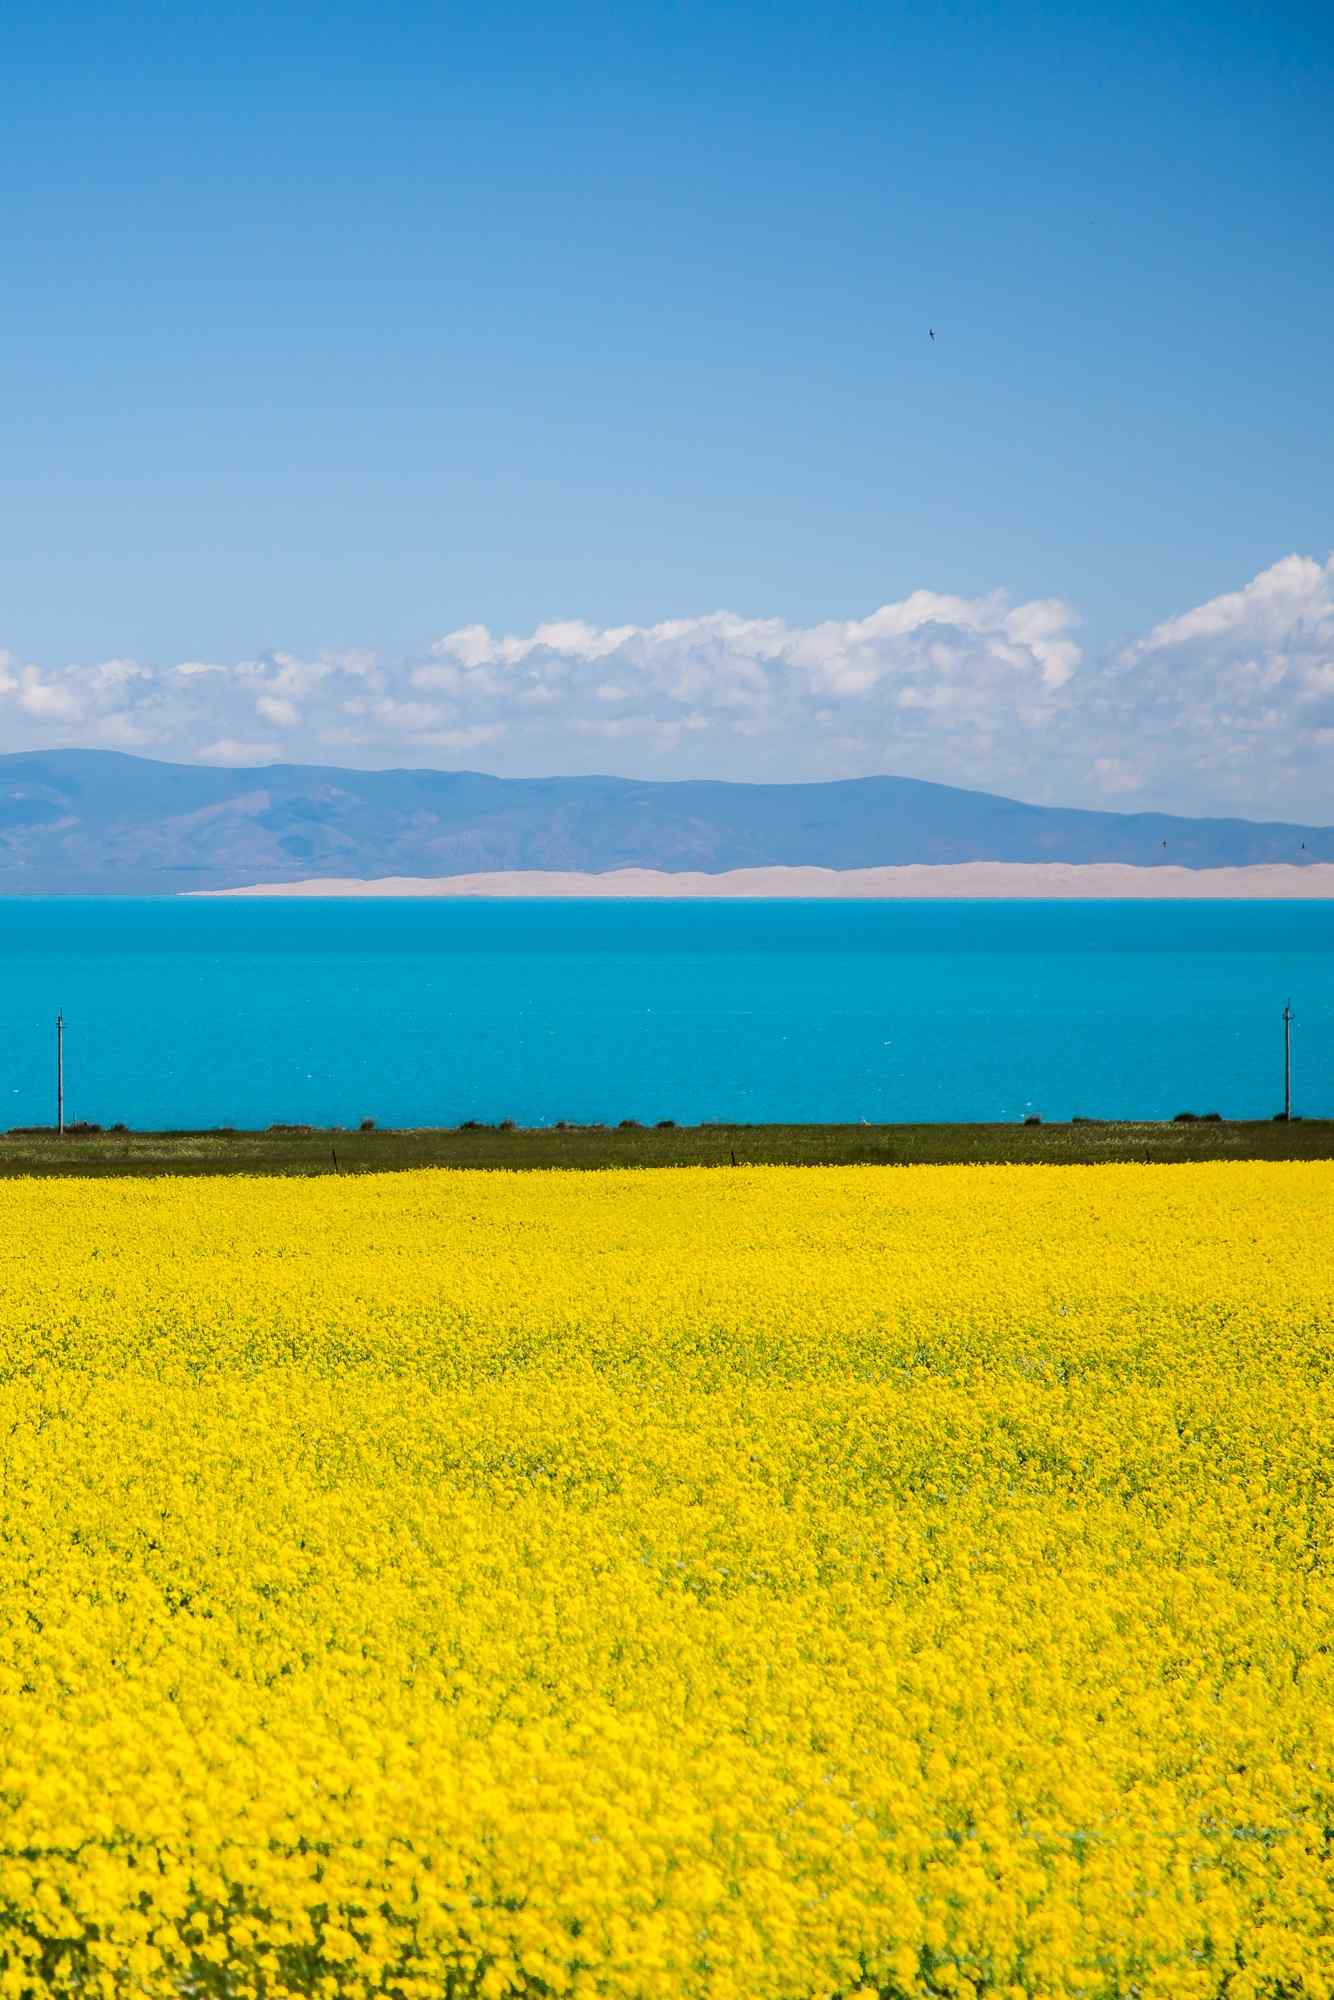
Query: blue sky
330	333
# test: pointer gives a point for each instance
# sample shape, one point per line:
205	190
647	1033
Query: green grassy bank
303	1150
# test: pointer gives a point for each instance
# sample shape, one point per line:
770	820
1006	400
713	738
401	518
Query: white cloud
119	732
465	739
1114	775
1228	701
228	750
933	677
278	710
402	718
1289	596
1226	706
47	700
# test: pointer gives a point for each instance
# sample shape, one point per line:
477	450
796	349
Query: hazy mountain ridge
100	822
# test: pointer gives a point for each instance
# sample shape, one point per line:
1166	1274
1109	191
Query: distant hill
88	822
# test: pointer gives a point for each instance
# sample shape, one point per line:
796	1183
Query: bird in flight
932	331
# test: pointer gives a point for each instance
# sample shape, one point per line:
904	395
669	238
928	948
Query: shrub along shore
306	1149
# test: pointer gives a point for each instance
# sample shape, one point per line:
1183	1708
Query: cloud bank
1228	707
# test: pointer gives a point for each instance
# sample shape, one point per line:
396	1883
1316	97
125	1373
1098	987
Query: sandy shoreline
969	879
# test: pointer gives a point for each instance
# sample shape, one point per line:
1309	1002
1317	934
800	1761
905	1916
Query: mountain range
89	822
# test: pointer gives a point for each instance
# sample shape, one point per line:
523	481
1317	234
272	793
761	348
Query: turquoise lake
429	1012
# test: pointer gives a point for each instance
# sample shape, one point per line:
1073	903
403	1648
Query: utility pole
1287	1060
60	1076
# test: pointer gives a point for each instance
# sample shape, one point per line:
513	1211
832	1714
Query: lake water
430	1012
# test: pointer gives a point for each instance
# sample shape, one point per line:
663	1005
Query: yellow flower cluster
697	1585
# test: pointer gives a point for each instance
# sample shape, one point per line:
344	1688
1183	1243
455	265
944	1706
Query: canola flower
697	1585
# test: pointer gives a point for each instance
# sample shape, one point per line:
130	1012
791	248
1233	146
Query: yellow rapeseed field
692	1585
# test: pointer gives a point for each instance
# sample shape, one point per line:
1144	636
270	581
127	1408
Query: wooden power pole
1287	1060
60	1075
